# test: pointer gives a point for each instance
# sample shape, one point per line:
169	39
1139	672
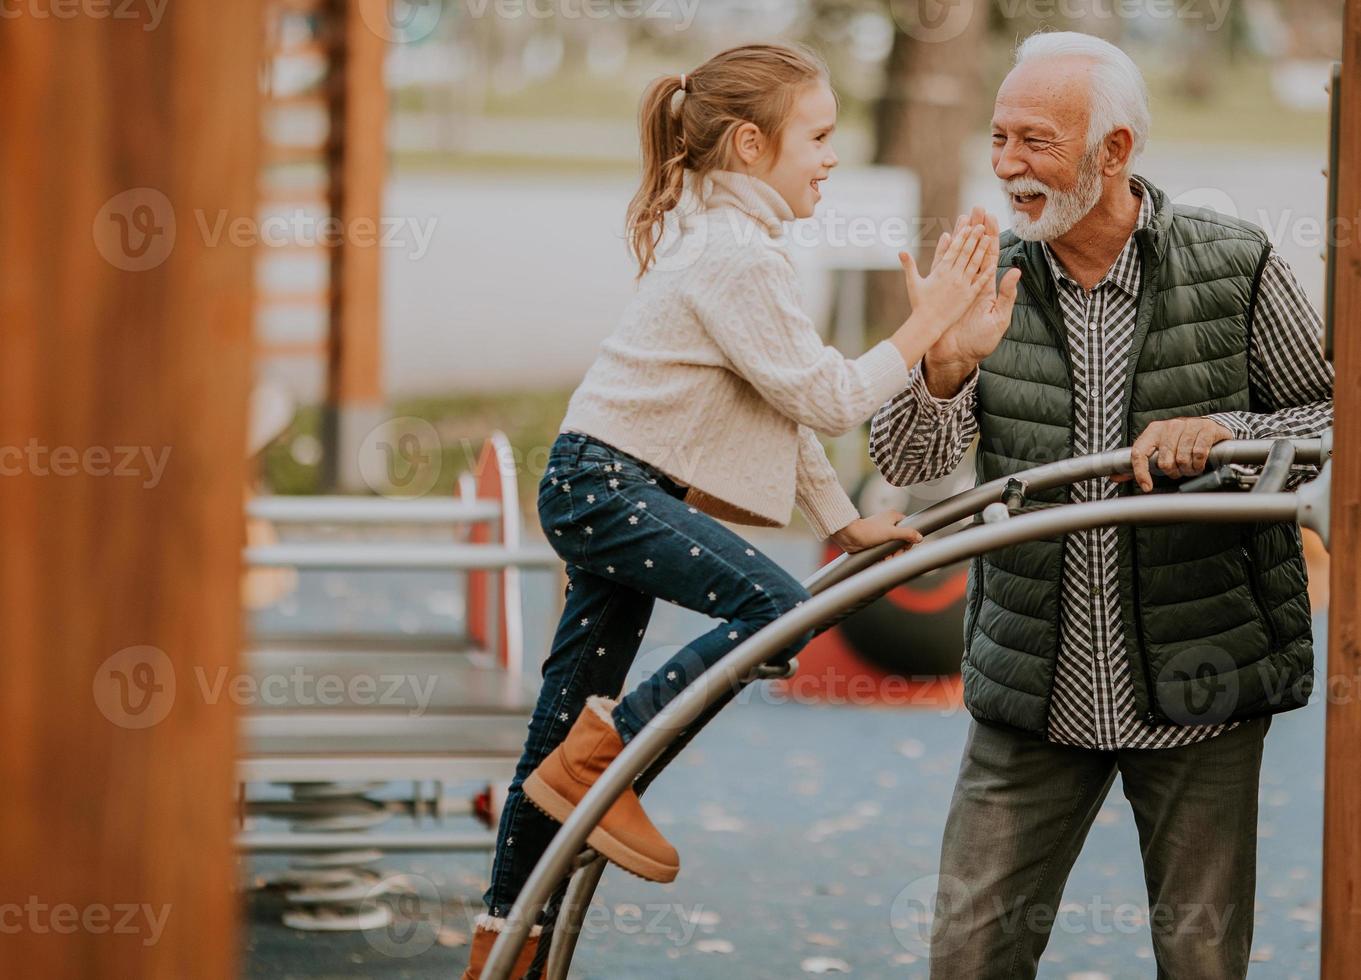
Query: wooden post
358	169
131	148
1341	929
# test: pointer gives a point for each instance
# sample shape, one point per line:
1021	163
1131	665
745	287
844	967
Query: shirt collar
750	195
1124	271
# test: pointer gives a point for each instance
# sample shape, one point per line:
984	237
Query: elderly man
1159	652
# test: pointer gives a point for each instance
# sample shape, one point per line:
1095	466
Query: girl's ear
748	143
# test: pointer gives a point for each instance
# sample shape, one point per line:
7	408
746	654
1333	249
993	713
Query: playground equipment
871	644
462	718
840	588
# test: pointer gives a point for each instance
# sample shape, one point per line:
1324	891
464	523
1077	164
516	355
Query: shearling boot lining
493	924
602	707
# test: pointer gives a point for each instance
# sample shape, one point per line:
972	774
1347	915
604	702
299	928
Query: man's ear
748	143
1119	147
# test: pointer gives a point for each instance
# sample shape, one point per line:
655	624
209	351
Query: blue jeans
628	539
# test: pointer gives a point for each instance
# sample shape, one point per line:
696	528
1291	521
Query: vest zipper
977	606
1149	715
1052	316
1257	600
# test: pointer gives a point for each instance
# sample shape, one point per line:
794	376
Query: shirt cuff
942	406
1239	423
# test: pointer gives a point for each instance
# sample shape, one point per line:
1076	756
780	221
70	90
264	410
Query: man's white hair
1118	94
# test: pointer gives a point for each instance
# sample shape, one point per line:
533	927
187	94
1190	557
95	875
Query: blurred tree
931	102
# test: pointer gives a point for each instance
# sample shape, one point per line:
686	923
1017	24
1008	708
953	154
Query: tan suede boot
626	836
484	938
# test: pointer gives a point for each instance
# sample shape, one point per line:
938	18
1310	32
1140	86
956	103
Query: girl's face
806	155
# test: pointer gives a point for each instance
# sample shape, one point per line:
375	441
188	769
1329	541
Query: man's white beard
1062	209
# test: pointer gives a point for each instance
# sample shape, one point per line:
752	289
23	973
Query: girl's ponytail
663	143
754	83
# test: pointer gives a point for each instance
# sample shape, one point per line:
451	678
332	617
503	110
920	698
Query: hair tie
683	88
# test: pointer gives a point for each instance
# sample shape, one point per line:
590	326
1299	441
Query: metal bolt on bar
849	583
996	512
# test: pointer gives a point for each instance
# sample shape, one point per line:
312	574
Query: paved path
808	836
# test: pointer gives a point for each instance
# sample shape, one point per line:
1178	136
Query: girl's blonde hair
755	83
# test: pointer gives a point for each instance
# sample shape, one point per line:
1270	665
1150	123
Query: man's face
1039	147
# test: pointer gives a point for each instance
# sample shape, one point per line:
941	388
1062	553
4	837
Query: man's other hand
1181	447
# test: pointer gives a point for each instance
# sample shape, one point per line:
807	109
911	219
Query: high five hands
978	331
959	309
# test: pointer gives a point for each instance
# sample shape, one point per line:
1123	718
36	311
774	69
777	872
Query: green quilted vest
1216	616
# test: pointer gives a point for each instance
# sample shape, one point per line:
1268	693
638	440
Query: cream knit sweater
717	377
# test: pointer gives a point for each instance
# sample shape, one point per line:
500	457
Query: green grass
529	419
1243	111
503	164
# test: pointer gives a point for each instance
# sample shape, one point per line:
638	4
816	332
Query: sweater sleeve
817	491
751	308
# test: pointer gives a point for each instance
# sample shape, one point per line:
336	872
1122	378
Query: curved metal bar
1046	477
1276	469
1316	498
726	675
567	930
564	933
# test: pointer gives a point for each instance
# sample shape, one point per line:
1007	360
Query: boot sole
554	805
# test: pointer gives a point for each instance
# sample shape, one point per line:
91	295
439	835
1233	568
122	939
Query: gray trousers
1021	810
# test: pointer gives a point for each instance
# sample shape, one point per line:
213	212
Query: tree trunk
930	106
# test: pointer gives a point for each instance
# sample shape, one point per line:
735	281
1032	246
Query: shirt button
1092	325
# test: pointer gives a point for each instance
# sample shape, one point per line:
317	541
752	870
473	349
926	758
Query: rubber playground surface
809	836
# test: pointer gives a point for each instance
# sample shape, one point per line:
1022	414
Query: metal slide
851	582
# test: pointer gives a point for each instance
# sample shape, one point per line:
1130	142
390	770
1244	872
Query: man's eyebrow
1029	129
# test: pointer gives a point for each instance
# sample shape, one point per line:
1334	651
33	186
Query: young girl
705	402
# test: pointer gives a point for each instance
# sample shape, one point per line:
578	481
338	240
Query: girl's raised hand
964	263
